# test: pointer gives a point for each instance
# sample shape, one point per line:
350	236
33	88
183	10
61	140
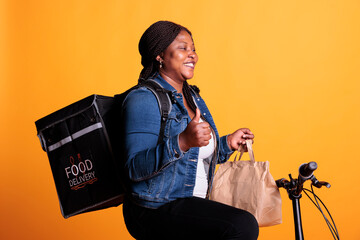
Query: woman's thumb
197	116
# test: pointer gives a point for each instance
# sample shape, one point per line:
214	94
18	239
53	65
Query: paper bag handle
250	150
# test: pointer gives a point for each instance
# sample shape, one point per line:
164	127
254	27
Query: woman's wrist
228	140
182	143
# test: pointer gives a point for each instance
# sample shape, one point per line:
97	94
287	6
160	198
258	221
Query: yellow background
288	70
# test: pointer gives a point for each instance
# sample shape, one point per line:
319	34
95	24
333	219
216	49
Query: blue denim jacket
160	173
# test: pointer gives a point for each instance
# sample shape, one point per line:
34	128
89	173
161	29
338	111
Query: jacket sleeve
141	117
224	150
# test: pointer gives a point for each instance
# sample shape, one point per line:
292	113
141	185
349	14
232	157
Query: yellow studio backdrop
288	70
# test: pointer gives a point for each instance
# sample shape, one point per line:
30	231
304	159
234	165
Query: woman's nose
191	54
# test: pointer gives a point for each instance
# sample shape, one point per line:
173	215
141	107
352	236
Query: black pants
190	218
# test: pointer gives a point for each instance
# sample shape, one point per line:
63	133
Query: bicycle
294	187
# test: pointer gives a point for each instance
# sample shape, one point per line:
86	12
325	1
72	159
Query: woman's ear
160	60
160	57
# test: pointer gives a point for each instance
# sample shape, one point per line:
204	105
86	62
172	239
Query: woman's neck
178	85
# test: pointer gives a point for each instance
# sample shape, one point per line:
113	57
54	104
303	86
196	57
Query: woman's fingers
247	134
247	137
239	137
246	131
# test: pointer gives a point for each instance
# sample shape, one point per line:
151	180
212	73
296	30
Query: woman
170	180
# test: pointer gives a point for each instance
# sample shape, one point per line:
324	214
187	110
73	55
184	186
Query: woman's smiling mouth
190	64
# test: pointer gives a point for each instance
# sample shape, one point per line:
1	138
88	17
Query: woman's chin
188	76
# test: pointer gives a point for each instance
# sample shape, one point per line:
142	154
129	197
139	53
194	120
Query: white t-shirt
202	170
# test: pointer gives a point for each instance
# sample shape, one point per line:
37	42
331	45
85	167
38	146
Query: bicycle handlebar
306	170
295	186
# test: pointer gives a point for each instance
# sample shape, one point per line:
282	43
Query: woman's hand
196	134
237	139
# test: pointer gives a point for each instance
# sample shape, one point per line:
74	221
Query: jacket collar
164	83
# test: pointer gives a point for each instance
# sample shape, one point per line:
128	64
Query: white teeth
189	64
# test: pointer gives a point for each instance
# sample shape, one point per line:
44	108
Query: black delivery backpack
84	149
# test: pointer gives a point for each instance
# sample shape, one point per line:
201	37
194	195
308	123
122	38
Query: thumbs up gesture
196	134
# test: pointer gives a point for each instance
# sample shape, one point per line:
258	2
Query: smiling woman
177	63
169	179
179	59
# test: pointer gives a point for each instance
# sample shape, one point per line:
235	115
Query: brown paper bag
249	185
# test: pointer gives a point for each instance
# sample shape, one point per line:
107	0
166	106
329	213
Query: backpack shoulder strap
164	99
